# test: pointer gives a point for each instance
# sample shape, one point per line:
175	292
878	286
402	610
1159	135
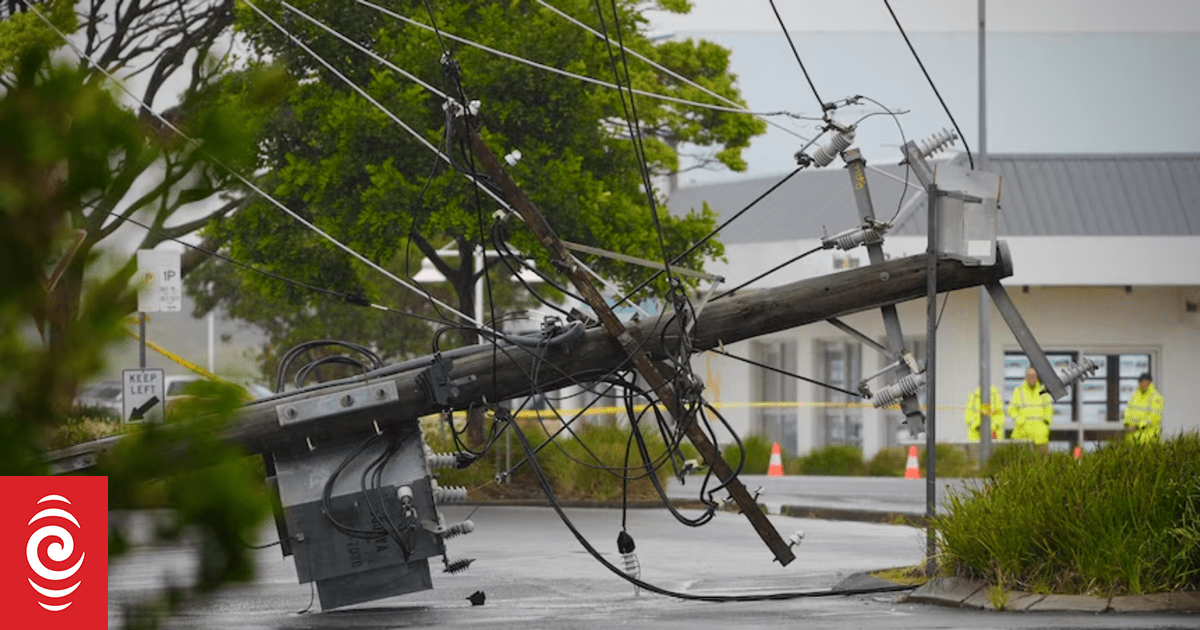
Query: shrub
1003	456
836	459
757	454
888	462
81	429
1124	519
583	464
952	461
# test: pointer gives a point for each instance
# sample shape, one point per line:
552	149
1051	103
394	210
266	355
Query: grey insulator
840	142
449	494
854	237
458	529
939	141
892	394
1076	371
439	460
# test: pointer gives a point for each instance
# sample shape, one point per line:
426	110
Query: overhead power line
736	106
262	193
928	78
797	54
553	70
352	298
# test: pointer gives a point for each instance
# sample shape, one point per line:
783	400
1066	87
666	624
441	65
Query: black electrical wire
768	272
327	493
945	301
567	426
786	373
303	373
500	245
699	521
795	52
928	78
631	120
436	31
709	236
352	298
544	482
285	362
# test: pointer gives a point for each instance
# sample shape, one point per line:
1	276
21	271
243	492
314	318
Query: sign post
143	395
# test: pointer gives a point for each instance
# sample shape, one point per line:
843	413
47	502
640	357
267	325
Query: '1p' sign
54	552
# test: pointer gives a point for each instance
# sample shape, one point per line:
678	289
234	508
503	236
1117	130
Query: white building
1106	252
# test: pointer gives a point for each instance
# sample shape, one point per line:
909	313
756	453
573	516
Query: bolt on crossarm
631	345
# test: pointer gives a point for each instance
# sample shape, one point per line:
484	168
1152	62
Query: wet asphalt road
535	574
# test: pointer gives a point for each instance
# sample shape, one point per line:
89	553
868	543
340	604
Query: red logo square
54	550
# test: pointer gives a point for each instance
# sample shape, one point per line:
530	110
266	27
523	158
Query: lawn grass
1125	519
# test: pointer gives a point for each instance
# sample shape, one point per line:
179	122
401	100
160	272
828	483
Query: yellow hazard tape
548	414
176	358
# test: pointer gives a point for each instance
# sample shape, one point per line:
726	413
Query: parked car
104	396
176	384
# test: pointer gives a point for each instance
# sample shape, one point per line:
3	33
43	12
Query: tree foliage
60	137
354	171
159	180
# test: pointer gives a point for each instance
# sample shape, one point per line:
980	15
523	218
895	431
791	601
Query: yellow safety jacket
1144	414
1032	413
974	419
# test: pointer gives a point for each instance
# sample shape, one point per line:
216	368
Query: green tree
60	137
354	172
161	178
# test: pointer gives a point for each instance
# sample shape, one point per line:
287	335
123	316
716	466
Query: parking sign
162	282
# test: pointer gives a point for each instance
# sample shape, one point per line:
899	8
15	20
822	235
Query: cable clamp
435	381
456	109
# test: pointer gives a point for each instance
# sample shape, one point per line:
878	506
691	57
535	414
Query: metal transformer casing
349	569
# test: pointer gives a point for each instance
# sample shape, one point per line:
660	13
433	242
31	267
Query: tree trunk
61	314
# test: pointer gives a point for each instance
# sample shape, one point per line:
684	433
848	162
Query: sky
1063	76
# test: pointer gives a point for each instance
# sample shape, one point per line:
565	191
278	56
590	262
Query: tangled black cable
383	523
544	482
709	236
374	361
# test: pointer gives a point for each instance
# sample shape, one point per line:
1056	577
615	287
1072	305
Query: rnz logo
59	584
54	552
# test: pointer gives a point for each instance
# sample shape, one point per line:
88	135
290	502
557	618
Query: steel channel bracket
1029	345
891	319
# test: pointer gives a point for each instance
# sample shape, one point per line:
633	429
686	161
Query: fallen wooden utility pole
263	425
329	412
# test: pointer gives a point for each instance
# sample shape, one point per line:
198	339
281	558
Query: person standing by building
1143	414
994	411
1032	410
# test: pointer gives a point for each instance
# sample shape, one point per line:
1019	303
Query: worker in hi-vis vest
1143	414
974	419
1031	410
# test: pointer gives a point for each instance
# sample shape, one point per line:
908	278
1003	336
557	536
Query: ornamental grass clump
1124	519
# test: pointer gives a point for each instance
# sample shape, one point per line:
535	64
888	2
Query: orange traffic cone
912	470
775	468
